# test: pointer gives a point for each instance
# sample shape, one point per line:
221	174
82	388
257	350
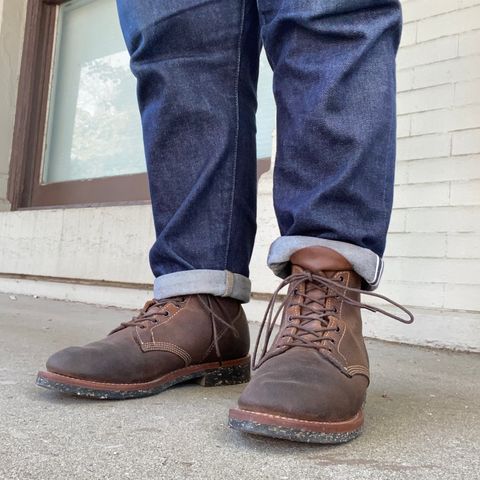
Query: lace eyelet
341	279
335	310
337	329
167	313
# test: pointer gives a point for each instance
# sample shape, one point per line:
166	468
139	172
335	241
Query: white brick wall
433	251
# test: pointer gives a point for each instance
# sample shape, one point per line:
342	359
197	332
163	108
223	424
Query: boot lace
154	310
315	309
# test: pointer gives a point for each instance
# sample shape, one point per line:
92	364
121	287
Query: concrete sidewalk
423	418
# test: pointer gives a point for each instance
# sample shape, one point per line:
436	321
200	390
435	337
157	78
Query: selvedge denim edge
216	282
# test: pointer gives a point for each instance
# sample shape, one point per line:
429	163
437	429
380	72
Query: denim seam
393	126
237	130
386	219
375	278
378	273
229	281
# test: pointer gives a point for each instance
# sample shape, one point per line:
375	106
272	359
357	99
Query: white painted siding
432	253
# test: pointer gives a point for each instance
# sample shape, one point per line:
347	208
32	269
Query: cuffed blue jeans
196	62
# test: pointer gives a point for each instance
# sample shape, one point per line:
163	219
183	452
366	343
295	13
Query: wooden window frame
25	191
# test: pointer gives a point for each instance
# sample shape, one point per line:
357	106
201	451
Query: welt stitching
215	365
305	422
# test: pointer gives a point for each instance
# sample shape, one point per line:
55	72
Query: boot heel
227	375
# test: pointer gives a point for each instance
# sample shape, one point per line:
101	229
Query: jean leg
334	85
196	64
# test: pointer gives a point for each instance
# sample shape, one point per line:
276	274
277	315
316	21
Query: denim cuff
222	283
365	262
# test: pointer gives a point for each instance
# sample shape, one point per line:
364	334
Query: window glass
94	126
93	122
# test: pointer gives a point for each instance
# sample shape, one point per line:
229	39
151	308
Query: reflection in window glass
94	125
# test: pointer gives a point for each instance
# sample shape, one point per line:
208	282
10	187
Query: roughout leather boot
310	385
172	340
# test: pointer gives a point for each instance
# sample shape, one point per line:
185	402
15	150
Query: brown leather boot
310	385
172	340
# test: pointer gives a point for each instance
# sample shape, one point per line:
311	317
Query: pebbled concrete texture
422	414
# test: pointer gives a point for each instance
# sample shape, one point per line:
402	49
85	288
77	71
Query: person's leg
197	66
334	85
196	62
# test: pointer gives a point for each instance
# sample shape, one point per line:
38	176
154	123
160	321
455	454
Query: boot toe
71	362
92	362
302	385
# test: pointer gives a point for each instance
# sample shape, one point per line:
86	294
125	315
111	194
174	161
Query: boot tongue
163	305
320	261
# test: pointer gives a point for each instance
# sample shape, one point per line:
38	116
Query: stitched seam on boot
347	274
161	324
358	370
168	347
